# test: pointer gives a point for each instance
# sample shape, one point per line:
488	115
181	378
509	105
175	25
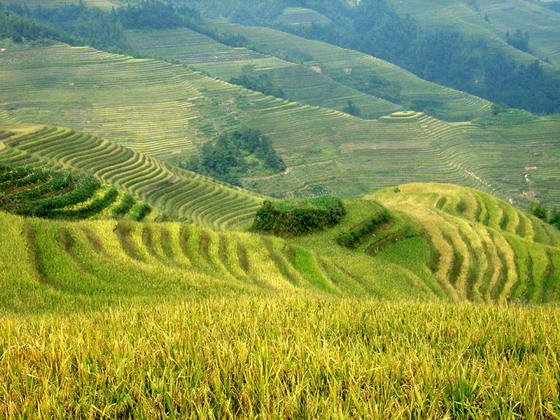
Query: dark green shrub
538	210
140	212
353	238
298	217
124	206
58	182
84	190
90	210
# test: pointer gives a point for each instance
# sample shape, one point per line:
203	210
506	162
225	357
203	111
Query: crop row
61	195
484	249
172	255
178	193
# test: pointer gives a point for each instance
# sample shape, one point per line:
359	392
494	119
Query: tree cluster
74	24
298	217
352	109
519	40
260	82
542	212
20	28
240	153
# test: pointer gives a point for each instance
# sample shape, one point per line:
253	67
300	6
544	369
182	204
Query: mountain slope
364	72
492	19
299	82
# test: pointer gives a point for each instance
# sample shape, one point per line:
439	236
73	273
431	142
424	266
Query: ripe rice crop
284	357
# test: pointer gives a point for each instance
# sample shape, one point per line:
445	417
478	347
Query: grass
284	357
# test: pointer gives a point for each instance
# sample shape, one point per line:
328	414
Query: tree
352	109
538	210
555	218
519	40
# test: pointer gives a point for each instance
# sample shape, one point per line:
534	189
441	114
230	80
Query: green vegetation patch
356	236
297	217
260	82
239	153
62	195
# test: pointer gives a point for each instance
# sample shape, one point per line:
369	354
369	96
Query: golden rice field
283	357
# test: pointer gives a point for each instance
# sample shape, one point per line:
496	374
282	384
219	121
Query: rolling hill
132	288
467	245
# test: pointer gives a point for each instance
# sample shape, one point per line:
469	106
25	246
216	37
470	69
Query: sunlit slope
89	264
299	82
178	193
483	249
356	69
441	242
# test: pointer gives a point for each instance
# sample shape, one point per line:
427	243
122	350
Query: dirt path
288	170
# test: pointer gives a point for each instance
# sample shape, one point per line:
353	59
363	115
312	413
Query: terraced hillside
124	99
61	195
302	16
323	148
137	261
482	248
440	242
299	82
381	152
543	25
356	70
180	194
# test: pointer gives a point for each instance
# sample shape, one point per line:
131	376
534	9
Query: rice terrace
280	209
